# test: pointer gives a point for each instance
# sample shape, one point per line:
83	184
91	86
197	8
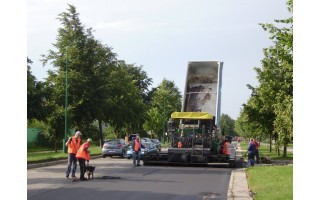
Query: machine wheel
232	164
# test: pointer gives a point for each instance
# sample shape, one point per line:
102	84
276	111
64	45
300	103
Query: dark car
114	147
157	143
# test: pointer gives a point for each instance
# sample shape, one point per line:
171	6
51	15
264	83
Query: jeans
136	155
251	158
72	161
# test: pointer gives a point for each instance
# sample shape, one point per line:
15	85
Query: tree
85	58
165	100
35	95
269	108
227	125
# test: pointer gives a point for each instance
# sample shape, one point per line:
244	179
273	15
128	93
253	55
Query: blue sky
163	36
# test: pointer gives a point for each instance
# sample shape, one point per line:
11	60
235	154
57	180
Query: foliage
269	109
227	125
166	98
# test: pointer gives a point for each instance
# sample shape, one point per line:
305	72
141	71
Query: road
116	178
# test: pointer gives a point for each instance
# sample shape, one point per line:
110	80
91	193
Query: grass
36	157
271	182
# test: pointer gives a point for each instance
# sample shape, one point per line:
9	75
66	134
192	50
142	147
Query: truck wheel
232	164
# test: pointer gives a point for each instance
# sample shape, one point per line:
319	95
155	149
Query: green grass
36	157
271	182
264	150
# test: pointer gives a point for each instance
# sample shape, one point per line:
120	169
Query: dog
89	172
89	175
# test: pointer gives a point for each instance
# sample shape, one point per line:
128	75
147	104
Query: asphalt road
116	178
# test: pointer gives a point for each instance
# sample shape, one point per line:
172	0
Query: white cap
78	133
89	140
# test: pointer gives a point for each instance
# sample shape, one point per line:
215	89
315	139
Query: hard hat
89	140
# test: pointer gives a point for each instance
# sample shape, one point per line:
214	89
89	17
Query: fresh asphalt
45	181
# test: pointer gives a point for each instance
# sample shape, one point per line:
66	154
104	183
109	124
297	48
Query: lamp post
66	107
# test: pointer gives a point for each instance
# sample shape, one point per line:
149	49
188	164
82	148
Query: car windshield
111	142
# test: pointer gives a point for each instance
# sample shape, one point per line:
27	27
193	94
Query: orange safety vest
226	148
83	152
179	144
74	145
137	145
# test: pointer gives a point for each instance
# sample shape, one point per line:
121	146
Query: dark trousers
257	156
72	162
82	163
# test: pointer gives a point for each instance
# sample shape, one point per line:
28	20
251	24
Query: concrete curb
238	186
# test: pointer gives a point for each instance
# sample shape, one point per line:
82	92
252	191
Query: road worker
83	155
73	145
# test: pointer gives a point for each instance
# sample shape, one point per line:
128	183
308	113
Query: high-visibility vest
179	144
74	145
226	148
83	153
137	145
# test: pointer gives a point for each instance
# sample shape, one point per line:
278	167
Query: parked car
145	139
114	147
149	148
157	143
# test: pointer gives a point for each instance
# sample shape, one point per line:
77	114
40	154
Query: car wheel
103	156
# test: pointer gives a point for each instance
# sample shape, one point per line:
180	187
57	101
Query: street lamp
66	107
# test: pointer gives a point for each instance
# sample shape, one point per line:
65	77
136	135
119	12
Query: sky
163	36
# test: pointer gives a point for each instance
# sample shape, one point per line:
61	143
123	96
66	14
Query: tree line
268	113
102	90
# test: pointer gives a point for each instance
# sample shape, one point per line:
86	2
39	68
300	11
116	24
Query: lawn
35	157
271	182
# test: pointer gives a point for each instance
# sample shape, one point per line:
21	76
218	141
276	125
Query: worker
226	147
73	145
179	144
83	155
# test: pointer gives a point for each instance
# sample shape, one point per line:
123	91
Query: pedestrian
83	155
136	153
251	152
257	154
73	145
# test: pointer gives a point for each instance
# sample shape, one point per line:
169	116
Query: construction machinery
194	133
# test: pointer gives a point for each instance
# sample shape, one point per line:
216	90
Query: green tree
84	56
166	99
269	110
227	125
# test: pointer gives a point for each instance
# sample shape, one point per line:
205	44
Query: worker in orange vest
83	155
226	147
73	145
179	144
136	151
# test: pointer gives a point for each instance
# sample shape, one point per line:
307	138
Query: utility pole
66	108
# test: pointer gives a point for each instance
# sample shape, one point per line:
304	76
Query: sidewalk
238	185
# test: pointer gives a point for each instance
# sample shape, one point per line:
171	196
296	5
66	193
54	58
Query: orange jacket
179	144
74	145
226	148
83	151
137	145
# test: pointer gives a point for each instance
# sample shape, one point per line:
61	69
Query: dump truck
194	132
